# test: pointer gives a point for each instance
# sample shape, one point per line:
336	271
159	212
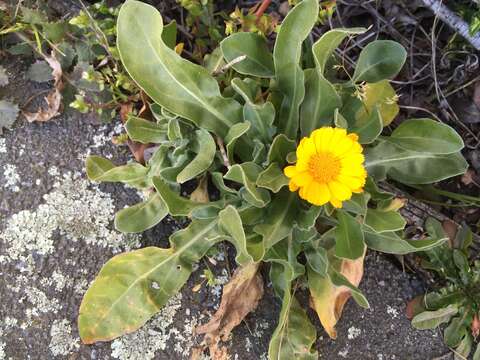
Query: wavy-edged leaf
101	169
176	204
178	85
247	174
286	54
142	216
294	335
235	132
432	319
384	221
258	58
205	148
279	218
357	204
230	223
426	135
280	148
391	243
379	60
317	259
145	131
132	287
272	178
349	241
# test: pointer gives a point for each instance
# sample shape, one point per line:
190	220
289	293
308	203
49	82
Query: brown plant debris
240	296
54	98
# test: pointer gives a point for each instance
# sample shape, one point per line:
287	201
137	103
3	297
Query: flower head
329	167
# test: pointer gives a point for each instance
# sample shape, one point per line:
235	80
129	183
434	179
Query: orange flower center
324	167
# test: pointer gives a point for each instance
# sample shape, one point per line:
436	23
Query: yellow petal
317	193
339	190
303	179
306	148
352	160
323	139
290	171
351	181
336	203
292	186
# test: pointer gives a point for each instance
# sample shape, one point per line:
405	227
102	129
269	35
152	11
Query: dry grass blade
240	296
54	98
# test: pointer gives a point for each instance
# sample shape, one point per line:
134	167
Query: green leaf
324	47
432	319
379	60
217	179
132	287
391	243
235	132
279	218
272	178
205	148
258	58
230	223
286	54
464	348
176	204
454	333
280	148
142	216
321	100
476	355
317	259
100	169
349	237
308	217
294	335
247	174
371	129
411	167
426	135
384	221
178	85
169	34
145	131
357	204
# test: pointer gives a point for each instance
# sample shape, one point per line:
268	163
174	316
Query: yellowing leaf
383	95
328	299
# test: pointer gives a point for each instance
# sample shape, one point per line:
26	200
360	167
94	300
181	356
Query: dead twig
452	20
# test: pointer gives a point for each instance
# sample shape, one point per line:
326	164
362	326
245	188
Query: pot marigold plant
294	155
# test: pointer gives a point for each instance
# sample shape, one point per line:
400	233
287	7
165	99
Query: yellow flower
329	167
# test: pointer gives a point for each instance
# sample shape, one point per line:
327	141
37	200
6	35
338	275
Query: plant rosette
294	154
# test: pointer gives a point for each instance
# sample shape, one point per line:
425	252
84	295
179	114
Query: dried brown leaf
240	296
54	98
328	299
467	178
450	229
200	194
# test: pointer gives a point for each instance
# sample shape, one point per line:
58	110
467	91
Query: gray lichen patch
11	178
62	342
75	209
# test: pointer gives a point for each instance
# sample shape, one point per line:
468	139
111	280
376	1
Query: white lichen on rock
62	342
3	146
75	209
353	332
11	177
145	342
